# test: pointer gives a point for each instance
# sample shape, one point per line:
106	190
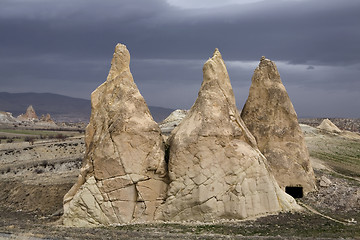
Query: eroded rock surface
271	118
123	177
215	168
328	126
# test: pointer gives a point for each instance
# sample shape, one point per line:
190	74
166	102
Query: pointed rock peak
120	61
217	53
216	100
215	70
30	109
266	71
327	125
216	84
30	113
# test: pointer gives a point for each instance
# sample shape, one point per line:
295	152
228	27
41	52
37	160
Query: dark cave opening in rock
295	192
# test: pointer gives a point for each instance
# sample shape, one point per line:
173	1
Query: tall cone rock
123	177
271	118
215	168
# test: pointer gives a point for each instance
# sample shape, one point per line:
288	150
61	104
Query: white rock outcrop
328	126
7	117
172	121
123	178
215	168
271	118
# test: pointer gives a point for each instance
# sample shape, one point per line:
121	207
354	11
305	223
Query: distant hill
60	107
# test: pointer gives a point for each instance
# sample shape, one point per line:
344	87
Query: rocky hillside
61	108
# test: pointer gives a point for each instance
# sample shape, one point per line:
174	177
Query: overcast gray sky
66	46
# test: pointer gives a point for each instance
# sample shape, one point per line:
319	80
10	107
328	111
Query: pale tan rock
29	115
215	169
328	126
124	177
325	182
271	118
46	118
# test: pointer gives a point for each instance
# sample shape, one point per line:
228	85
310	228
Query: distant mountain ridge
60	107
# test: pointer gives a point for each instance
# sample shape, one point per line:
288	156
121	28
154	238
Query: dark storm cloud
323	31
51	45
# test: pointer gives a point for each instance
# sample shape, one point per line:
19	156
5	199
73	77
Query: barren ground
34	179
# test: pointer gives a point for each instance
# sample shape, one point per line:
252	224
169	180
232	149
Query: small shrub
44	163
60	136
10	140
29	139
39	170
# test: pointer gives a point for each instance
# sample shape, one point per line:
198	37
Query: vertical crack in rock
213	139
124	151
271	118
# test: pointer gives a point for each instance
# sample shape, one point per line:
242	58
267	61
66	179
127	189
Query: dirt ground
31	195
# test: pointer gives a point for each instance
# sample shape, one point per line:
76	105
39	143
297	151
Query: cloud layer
66	47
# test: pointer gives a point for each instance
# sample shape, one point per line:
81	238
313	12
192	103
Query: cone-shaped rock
123	174
215	169
328	126
271	118
29	115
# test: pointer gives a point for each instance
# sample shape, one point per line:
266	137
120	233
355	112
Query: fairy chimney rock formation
271	118
328	126
29	115
215	168
123	178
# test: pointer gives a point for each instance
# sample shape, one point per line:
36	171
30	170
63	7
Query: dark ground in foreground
282	226
339	201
